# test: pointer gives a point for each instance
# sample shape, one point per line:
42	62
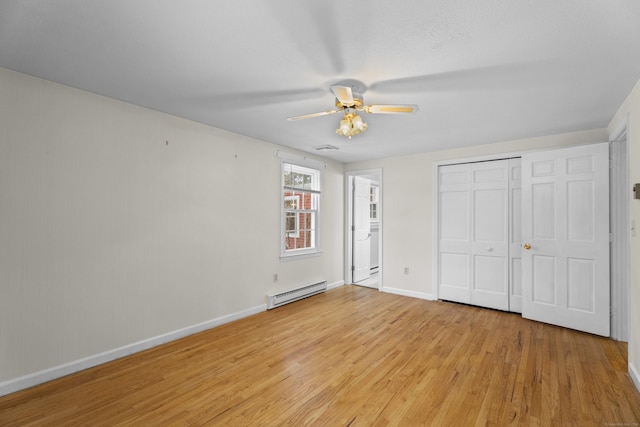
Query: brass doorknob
527	246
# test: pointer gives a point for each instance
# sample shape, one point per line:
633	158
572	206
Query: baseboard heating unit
281	298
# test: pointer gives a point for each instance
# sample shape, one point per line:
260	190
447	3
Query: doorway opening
363	251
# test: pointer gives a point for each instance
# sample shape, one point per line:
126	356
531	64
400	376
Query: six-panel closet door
565	231
474	230
529	235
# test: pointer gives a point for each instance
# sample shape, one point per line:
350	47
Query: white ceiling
481	71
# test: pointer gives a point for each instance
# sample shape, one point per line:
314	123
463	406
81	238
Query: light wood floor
352	357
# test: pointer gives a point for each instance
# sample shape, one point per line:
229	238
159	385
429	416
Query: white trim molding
30	380
634	375
406	293
335	284
621	129
59	371
620	225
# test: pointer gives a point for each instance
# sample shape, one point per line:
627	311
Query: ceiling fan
350	100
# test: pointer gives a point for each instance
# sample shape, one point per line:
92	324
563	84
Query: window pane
291	222
300	177
300	200
300	231
310	201
291	201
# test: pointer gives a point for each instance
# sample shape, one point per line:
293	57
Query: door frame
620	225
375	175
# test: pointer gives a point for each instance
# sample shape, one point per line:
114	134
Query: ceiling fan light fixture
349	101
351	125
345	126
358	123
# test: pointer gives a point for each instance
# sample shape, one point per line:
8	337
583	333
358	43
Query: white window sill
303	255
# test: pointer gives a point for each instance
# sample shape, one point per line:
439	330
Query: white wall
407	185
631	109
119	224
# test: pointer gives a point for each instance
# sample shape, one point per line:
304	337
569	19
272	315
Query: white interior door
454	231
490	234
473	231
361	229
565	231
515	235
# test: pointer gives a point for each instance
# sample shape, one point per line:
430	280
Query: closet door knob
527	246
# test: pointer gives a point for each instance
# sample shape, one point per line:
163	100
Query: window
300	203
373	206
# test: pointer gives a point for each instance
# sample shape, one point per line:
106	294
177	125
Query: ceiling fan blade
391	109
343	93
308	116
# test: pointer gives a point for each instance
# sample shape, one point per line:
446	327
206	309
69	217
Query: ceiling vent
326	147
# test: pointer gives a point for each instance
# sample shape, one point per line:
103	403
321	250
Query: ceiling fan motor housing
357	89
357	102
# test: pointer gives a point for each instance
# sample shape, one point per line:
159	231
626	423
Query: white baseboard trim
635	375
406	293
335	284
49	374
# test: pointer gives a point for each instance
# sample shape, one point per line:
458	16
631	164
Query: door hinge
353	268
611	164
610	237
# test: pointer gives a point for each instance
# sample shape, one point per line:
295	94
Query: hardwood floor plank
351	357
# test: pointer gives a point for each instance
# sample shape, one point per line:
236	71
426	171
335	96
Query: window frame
305	167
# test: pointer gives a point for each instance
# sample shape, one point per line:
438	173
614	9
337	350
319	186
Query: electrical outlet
275	277
406	270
